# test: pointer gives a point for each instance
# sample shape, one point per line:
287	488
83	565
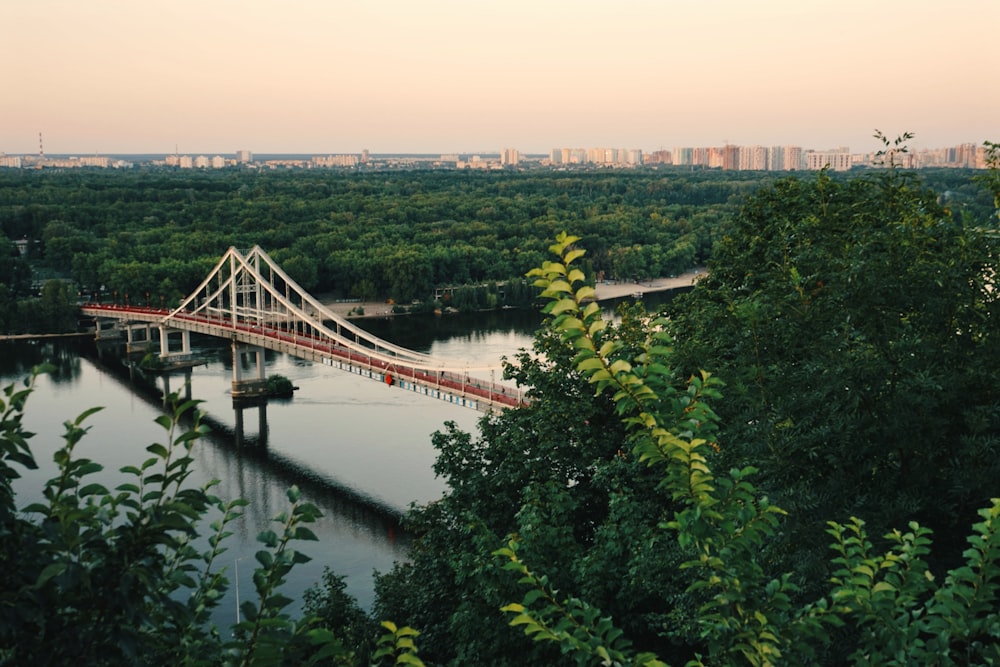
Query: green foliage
366	235
991	179
396	646
54	311
856	325
279	385
575	625
339	613
895	610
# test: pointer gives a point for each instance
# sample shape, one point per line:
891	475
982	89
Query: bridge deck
451	384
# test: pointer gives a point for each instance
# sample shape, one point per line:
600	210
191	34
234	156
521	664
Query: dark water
359	450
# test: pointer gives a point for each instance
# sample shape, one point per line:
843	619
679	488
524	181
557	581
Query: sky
478	76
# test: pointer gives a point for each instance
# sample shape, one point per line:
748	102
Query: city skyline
118	77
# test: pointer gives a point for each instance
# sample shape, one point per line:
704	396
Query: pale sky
467	76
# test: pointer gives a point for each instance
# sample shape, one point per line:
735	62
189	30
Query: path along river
358	449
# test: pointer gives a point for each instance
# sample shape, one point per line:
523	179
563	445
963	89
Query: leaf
86	413
88	468
564	306
264	558
48	572
303	533
574	254
158	450
93	490
594	363
268	538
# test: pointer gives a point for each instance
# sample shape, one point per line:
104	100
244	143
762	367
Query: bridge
248	299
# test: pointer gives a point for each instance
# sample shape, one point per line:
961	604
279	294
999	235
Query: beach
615	290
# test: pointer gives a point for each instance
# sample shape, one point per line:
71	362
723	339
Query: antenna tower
41	152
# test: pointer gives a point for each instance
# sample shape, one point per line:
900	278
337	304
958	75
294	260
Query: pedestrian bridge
251	301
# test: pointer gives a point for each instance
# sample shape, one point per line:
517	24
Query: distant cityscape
727	157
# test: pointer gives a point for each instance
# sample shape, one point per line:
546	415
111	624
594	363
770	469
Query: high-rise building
244	156
776	158
510	157
683	156
837	160
793	158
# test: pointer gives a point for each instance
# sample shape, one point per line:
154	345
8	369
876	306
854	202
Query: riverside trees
386	234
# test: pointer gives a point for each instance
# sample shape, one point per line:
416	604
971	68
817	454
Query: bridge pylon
250	383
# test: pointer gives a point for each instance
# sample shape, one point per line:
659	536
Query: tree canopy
857	327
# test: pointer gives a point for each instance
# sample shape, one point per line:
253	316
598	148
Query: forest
796	462
150	236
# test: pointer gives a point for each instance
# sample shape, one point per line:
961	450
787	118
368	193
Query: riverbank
604	291
616	290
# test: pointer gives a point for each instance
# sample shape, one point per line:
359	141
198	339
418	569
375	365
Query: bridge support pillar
105	329
252	383
135	341
165	341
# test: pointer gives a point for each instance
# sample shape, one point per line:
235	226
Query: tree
57	307
856	325
14	270
8	311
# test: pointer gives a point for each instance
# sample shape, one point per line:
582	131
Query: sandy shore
604	291
349	308
620	289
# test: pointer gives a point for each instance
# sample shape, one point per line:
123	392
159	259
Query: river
359	450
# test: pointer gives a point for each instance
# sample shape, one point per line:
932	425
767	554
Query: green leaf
93	490
303	533
158	450
268	538
48	572
86	413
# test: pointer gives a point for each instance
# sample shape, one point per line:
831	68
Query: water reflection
19	357
240	437
358	533
423	331
242	444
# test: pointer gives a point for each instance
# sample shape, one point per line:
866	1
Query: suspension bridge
248	299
